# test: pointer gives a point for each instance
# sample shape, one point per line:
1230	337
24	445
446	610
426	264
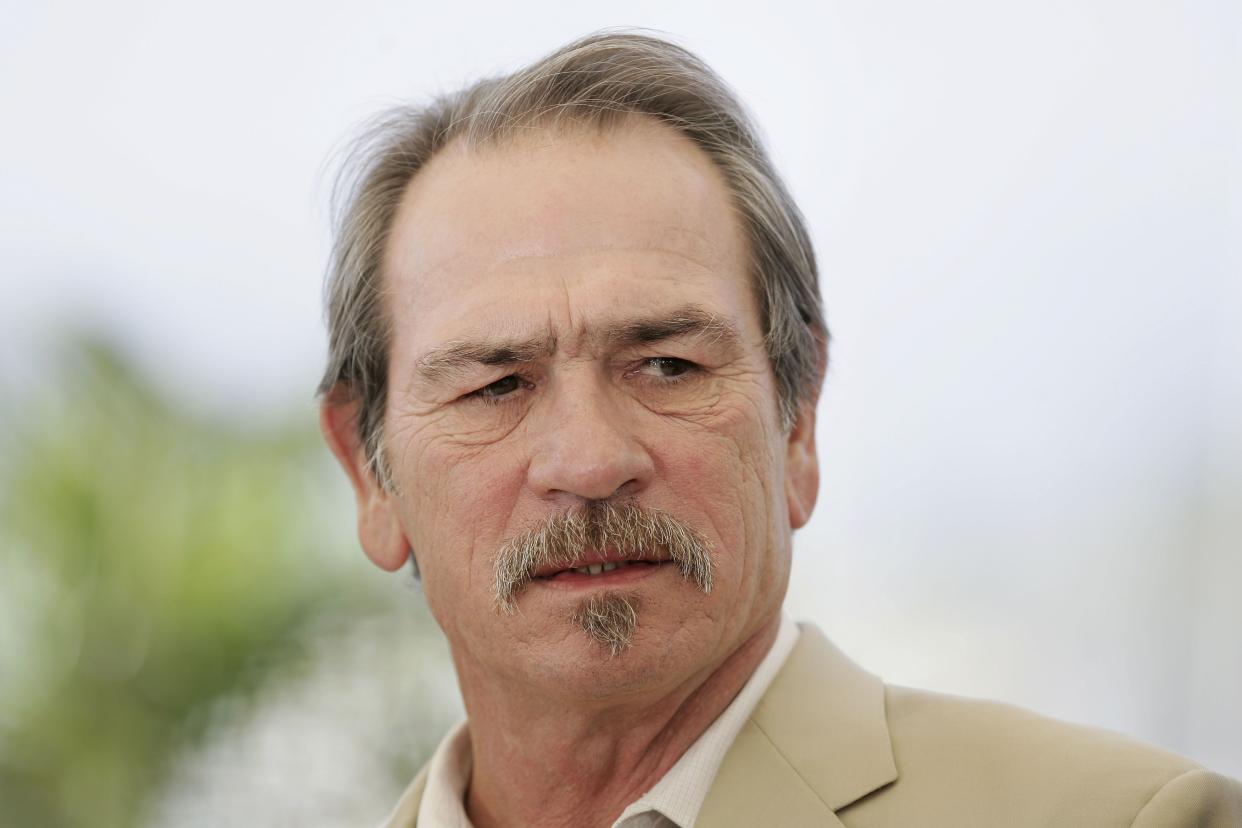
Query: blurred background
1028	221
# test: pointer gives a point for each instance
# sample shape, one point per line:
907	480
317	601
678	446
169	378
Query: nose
587	446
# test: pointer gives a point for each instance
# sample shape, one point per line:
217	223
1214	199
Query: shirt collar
443	802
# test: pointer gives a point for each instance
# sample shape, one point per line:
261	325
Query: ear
379	525
801	459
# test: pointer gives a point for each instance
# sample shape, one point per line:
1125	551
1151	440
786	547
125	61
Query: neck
542	762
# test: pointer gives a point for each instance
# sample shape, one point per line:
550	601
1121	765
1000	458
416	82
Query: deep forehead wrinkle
689	321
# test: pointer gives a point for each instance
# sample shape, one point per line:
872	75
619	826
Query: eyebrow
442	363
691	321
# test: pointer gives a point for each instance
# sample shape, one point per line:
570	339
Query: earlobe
379	524
382	537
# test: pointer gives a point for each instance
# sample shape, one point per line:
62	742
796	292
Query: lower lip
628	574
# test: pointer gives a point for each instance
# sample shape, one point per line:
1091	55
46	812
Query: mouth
601	573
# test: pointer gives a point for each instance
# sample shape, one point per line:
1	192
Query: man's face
573	322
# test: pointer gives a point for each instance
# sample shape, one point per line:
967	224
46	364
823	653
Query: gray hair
596	81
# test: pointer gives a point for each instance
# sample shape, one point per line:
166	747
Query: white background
1028	224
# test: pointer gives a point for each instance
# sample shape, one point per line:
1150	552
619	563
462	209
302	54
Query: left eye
666	367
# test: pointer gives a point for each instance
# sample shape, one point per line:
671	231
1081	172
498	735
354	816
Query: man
576	347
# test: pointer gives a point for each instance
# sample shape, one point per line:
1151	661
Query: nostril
629	487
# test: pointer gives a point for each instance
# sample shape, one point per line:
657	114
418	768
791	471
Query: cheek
695	465
732	476
713	478
457	518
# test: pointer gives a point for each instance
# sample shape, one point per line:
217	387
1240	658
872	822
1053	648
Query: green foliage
152	562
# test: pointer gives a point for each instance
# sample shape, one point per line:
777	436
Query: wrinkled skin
552	242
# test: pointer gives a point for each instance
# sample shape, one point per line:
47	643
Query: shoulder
878	755
988	763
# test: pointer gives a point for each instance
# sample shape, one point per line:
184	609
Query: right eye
502	387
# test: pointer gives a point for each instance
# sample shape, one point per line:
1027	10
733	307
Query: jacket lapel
817	741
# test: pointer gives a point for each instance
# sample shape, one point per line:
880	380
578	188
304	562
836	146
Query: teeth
595	569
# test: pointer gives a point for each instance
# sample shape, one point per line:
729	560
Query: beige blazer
831	745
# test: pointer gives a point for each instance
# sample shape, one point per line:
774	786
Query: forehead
555	228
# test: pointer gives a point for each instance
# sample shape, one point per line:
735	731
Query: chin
660	654
585	669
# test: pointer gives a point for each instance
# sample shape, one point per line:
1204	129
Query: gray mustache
628	530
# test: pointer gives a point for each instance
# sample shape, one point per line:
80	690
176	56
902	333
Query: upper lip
592	558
